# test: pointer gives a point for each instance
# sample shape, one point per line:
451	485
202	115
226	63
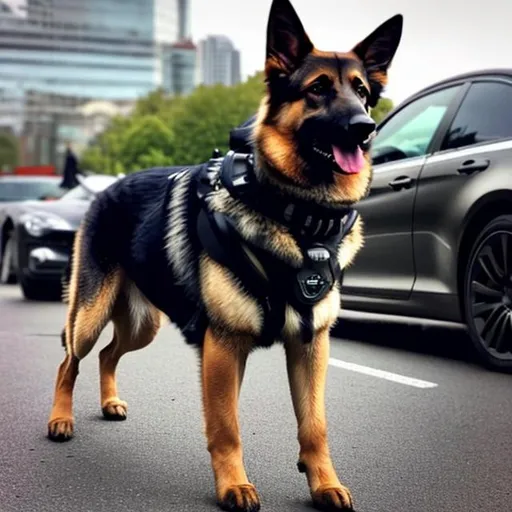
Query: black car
438	218
16	188
37	237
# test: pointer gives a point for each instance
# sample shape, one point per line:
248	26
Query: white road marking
381	374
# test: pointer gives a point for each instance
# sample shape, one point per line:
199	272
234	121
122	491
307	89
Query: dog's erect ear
287	41
377	52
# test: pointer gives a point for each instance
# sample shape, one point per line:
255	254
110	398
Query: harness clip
318	254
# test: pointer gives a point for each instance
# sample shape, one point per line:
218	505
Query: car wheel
7	274
34	290
488	294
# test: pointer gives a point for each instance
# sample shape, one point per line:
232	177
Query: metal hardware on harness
318	274
312	286
318	254
213	169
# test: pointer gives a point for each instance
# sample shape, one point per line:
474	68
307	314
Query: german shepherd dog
138	258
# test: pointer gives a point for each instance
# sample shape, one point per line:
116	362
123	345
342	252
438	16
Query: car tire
35	290
487	293
7	275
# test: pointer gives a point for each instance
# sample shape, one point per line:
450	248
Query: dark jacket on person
69	179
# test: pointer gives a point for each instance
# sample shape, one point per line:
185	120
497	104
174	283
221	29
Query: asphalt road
436	437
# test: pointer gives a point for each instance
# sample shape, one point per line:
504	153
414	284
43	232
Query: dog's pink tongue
351	162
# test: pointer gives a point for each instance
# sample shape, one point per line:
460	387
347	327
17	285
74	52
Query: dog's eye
319	88
362	92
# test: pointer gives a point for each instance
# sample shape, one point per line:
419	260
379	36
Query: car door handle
400	183
470	166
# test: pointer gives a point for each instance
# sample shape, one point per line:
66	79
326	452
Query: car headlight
36	224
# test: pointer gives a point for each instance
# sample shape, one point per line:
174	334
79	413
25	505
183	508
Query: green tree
9	150
104	154
381	110
204	119
156	103
93	159
149	142
120	148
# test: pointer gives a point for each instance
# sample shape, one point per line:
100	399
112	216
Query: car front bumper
46	257
43	260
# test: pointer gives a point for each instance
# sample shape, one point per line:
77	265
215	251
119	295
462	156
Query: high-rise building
98	48
179	58
235	67
179	68
219	61
184	20
82	50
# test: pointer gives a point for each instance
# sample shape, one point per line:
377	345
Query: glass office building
179	68
68	52
96	48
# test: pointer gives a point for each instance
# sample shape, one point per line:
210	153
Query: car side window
484	116
409	132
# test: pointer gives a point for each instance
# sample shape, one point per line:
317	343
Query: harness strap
224	245
303	218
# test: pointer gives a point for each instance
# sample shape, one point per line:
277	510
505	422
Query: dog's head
314	129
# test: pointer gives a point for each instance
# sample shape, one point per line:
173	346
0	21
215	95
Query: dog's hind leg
136	323
223	365
307	372
88	314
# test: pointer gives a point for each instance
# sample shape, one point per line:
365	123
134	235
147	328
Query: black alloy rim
491	294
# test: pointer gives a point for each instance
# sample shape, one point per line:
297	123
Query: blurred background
136	83
121	81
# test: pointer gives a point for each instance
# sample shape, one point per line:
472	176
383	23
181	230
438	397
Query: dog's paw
115	409
333	498
60	429
240	498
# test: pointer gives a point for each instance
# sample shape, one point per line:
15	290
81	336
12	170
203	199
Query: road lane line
381	374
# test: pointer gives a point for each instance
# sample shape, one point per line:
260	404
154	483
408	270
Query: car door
385	266
483	119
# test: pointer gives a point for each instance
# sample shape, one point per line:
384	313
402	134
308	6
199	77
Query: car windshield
29	189
90	186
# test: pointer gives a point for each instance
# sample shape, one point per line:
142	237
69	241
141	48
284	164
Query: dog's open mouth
343	160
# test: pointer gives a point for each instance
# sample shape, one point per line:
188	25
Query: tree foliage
381	110
149	141
9	150
165	130
209	114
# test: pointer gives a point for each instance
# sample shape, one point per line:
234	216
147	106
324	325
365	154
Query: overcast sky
441	37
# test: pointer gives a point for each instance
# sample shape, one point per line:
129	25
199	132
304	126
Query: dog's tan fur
236	317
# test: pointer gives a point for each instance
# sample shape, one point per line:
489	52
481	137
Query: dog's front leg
307	372
223	365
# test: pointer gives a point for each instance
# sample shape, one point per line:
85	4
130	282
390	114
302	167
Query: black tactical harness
274	283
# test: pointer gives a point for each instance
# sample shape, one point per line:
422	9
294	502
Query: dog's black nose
360	127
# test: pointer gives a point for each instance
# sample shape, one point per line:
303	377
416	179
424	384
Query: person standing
71	170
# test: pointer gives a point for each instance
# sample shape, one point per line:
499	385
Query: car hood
71	211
